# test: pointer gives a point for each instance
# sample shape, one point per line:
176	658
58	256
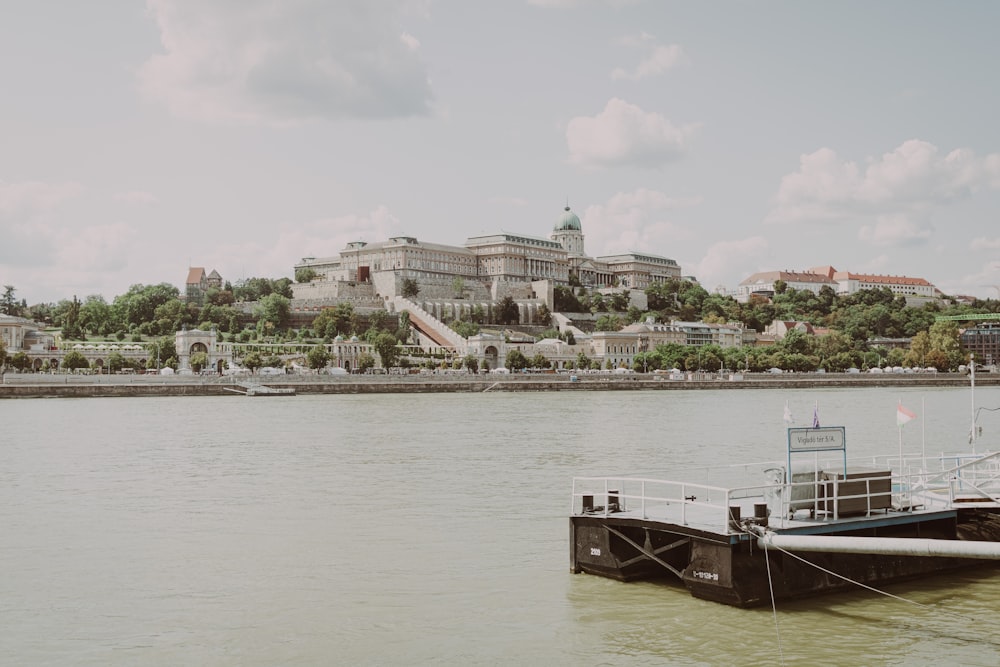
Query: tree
798	342
944	339
20	361
721	308
458	287
115	362
403	332
464	329
161	351
71	320
95	315
173	315
647	361
337	320
507	311
516	360
218	297
345	320
318	357
662	296
305	274
198	361
937	359
619	302
139	304
74	360
253	361
274	312
365	362
3	354
377	319
410	288
539	361
385	346
471	363
692	362
9	304
609	323
920	346
544	315
564	301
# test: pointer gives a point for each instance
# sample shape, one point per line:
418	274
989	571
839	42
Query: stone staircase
439	333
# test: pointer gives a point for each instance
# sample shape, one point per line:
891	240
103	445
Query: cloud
25	201
726	259
293	240
257	61
411	42
624	134
136	197
97	249
983	243
984	282
573	4
27	236
517	202
659	60
894	230
556	4
633	221
910	180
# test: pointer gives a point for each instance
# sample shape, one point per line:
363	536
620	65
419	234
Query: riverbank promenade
65	385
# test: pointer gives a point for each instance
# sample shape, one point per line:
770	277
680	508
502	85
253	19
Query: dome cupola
567	221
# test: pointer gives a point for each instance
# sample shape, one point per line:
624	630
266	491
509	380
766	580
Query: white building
762	283
841	282
484	260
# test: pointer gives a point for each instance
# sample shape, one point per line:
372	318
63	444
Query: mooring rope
774	605
928	607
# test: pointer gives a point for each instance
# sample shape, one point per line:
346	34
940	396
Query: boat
813	523
264	390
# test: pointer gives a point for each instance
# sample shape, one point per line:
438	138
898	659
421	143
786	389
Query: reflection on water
418	529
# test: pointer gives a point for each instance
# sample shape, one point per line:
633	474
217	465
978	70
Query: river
430	529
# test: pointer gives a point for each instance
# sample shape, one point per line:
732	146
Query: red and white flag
903	415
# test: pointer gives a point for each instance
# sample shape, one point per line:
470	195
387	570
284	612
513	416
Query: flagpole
899	427
972	396
923	431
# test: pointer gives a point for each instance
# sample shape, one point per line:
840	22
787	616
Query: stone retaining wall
382	384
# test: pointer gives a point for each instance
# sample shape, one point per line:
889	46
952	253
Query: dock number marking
708	576
594	551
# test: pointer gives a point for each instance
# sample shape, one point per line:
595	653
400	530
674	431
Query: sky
140	138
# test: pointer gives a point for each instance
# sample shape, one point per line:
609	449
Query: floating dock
248	389
824	529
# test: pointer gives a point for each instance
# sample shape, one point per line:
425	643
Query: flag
788	415
816	416
903	415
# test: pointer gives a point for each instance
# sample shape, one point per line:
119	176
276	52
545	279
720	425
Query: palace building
496	258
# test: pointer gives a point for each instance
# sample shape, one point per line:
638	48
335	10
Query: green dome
568	221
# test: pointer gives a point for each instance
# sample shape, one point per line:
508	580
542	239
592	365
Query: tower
568	233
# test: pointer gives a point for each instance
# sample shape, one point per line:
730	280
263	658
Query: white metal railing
651	498
911	487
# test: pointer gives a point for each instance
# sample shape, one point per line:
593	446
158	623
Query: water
420	529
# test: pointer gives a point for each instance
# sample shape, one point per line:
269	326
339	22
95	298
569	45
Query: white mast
972	394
